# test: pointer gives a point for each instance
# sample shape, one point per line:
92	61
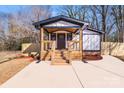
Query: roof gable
59	18
61	24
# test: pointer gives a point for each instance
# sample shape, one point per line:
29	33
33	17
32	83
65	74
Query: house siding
91	40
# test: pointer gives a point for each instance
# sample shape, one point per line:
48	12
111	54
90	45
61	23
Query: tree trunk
103	22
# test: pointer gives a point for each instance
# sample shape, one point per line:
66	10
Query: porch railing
50	46
73	45
47	45
53	50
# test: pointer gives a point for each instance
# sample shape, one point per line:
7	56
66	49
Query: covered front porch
58	39
58	44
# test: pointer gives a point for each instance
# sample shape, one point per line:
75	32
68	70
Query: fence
112	48
107	48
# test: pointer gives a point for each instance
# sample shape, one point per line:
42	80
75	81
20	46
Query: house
64	39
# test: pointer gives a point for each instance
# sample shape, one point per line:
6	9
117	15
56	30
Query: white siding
91	40
61	23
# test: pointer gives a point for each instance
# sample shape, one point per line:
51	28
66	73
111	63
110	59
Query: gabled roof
95	30
59	18
66	19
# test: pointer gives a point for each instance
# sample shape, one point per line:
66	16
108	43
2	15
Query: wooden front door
61	41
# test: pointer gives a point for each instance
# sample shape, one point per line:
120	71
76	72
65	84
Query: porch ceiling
50	30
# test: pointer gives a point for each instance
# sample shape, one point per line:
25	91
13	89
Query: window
53	36
69	36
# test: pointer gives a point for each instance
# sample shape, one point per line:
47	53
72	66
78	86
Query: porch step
53	63
60	58
60	62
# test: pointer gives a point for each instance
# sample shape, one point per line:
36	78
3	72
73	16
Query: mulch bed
92	57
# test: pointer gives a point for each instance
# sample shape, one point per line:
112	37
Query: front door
61	41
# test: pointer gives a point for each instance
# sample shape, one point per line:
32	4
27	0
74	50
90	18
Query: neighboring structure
64	39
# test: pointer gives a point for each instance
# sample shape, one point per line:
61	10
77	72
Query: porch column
49	37
81	42
56	40
66	42
41	42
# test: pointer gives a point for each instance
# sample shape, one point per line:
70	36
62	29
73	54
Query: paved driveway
44	75
108	72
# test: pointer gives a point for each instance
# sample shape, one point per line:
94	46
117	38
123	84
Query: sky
15	8
9	8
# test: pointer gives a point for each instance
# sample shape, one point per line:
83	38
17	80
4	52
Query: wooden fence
116	49
112	48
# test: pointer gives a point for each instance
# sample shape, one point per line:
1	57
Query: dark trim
91	34
61	26
76	30
46	30
58	18
100	44
91	50
99	32
95	30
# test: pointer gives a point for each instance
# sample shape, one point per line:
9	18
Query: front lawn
120	57
10	65
7	55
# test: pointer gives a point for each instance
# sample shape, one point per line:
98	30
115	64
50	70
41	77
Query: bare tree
40	12
3	37
74	11
98	16
20	28
102	11
109	19
118	14
94	18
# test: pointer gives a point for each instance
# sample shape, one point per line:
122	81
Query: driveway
43	75
108	72
105	73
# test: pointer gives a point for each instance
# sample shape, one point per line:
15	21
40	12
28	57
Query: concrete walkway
44	75
105	73
101	74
